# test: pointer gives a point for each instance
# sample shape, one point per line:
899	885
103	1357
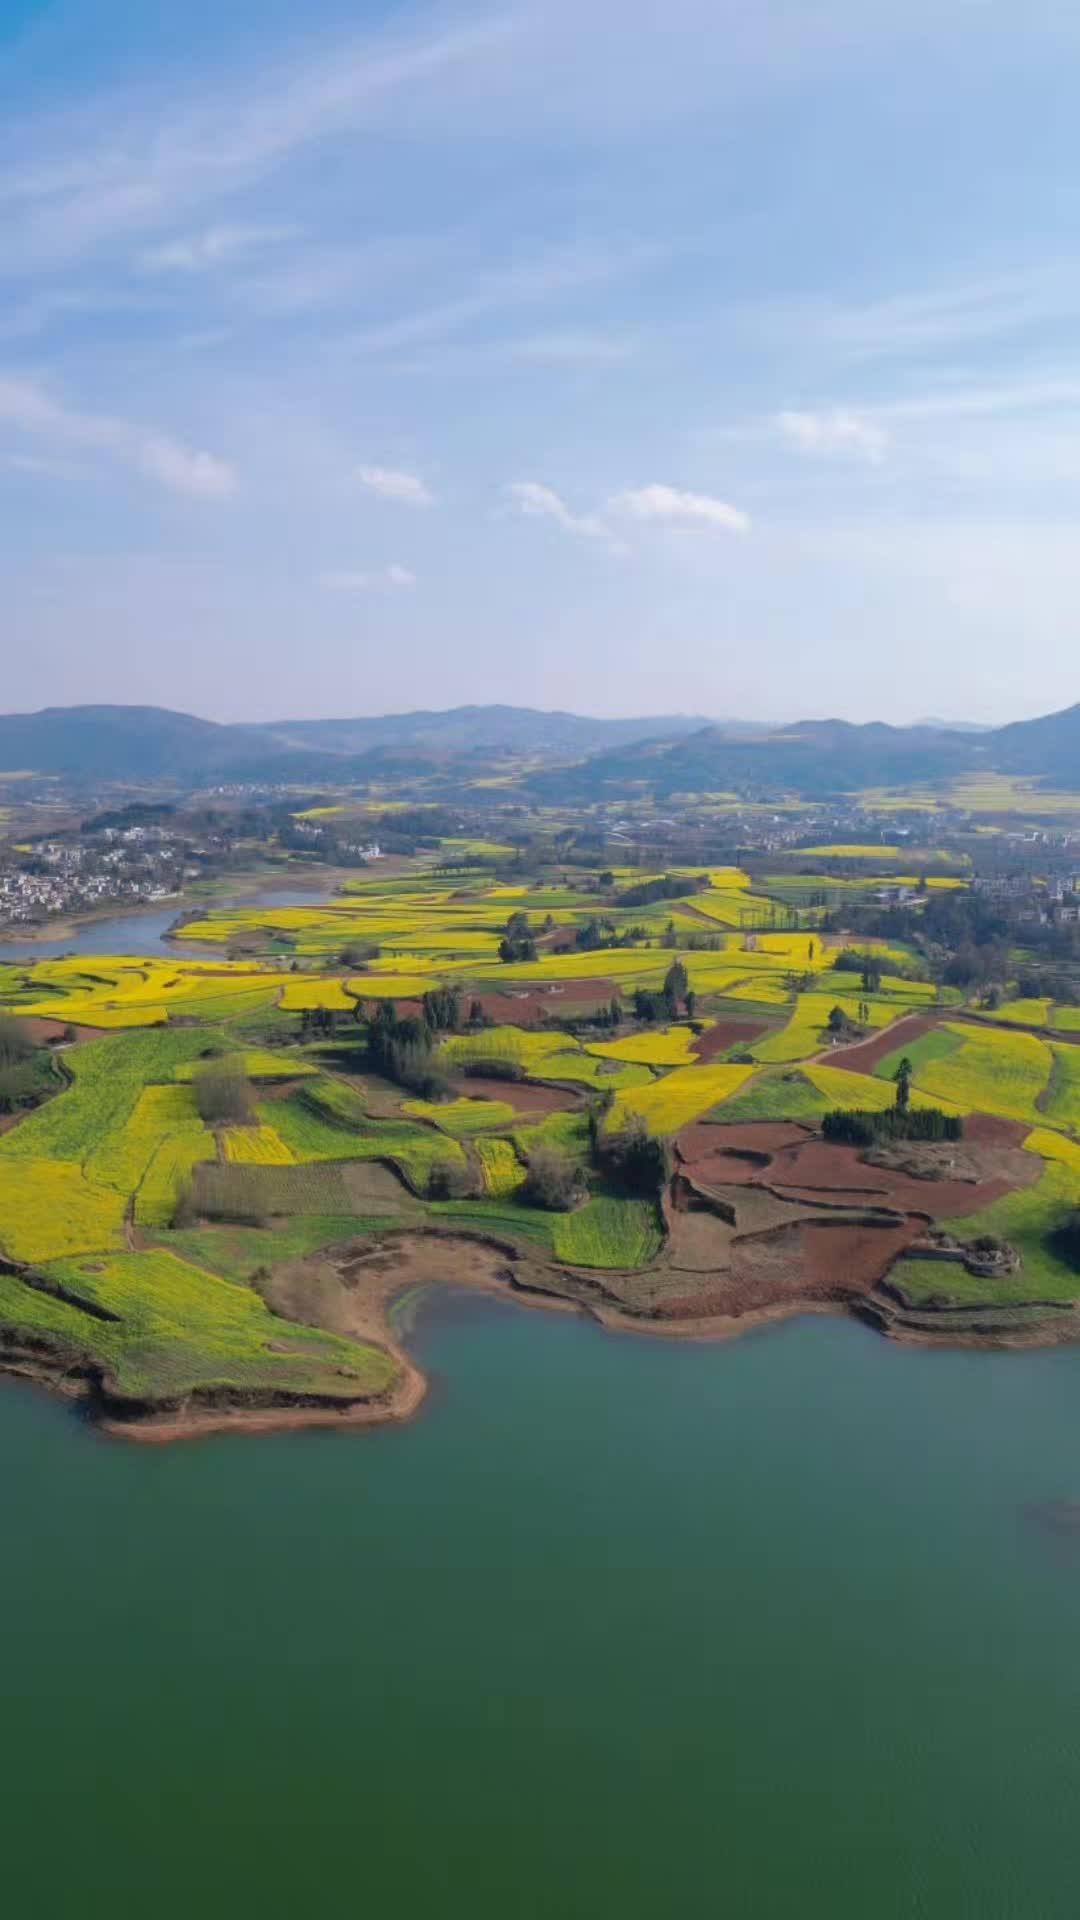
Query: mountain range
556	756
119	742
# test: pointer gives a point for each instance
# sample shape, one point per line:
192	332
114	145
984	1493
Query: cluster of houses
66	877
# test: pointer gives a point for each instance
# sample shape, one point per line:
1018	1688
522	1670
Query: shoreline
368	1315
68	925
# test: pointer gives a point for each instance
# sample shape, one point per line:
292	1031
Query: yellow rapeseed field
655	1047
682	1096
501	1168
256	1147
48	1209
992	1071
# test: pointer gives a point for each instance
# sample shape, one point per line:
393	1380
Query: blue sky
710	357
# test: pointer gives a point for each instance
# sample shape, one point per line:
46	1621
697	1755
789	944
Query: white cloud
361	580
182	469
538	502
201	252
659	502
393	483
837	432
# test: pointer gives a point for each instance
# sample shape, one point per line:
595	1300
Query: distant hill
511	730
575	757
102	742
816	758
1049	747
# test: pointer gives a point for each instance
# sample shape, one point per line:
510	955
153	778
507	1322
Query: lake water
146	932
616	1627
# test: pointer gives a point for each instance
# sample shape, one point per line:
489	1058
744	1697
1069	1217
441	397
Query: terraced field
144	1237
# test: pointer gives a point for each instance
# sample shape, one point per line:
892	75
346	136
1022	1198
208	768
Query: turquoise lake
617	1626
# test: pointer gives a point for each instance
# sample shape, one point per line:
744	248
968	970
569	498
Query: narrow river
146	931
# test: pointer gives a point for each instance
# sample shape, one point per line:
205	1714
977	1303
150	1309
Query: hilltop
560	757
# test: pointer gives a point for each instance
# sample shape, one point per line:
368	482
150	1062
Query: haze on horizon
712	359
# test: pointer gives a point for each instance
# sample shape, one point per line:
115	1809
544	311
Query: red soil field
818	1171
864	1056
700	1139
990	1130
805	1261
527	1006
519	1094
44	1032
846	1260
728	1033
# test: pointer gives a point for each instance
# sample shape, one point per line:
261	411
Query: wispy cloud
836	432
538	502
182	469
921	324
139	160
662	503
214	247
394	483
553	273
364	580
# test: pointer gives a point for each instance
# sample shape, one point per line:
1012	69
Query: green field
991	1071
1026	1220
936	1045
135	1225
174	1329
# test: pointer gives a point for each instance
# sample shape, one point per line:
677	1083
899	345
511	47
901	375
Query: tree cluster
632	1158
669	886
552	1180
442	1009
854	1127
517	942
866	965
402	1049
223	1097
651	1005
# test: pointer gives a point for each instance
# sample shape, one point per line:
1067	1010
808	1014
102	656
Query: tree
647	1005
676	984
223	1097
16	1045
691	1004
552	1180
442	1009
903	1076
357	953
517	942
636	1160
1067	1238
450	1180
402	1049
837	1020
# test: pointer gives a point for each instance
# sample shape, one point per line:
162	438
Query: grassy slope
179	1329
